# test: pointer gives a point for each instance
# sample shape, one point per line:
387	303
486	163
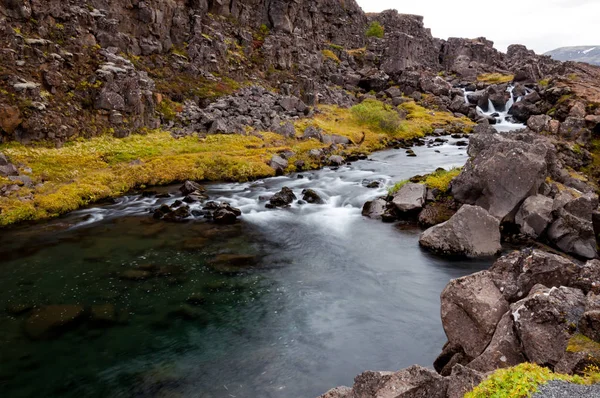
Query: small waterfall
503	123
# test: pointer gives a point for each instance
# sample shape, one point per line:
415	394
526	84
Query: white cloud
541	25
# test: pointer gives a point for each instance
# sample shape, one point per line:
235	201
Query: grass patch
375	30
524	380
441	179
378	116
421	121
495	78
330	55
544	83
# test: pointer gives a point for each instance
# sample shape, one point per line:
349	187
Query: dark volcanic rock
282	198
53	320
311	196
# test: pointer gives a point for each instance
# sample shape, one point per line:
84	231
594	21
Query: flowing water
503	119
323	293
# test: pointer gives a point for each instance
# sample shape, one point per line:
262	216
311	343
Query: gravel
562	389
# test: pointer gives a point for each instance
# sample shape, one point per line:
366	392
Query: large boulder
411	197
374	208
282	198
534	215
546	320
504	170
471	232
471	308
573	230
279	164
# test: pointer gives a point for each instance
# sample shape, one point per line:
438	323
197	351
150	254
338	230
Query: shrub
375	30
377	115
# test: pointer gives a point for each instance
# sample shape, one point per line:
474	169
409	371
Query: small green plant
377	115
544	83
375	30
335	47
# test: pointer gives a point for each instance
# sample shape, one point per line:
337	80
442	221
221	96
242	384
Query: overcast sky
541	25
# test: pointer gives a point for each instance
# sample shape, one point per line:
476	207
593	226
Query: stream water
323	293
503	120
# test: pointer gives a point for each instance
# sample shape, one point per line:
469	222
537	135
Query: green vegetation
377	115
375	30
330	55
397	186
495	78
335	47
169	109
441	178
523	380
544	83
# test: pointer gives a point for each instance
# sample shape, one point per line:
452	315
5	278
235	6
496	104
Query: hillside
589	54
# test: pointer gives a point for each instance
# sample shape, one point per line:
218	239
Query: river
324	293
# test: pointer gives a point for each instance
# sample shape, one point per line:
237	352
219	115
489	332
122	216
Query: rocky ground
75	70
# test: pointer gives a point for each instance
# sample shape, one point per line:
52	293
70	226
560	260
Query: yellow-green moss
544	83
495	78
441	179
397	186
330	55
523	380
581	343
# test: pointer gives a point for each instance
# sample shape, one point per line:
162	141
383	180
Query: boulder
504	170
282	198
539	123
279	164
226	214
573	230
311	196
516	273
336	160
522	110
471	307
338	392
471	232
534	215
312	132
52	320
10	118
191	187
589	325
287	130
413	382
547	315
374	209
411	197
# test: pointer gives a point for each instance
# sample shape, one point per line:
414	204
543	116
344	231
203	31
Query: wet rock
410	198
471	232
471	308
104	315
282	198
374	209
190	187
196	299
336	160
53	320
534	215
410	153
178	215
226	215
18	309
311	196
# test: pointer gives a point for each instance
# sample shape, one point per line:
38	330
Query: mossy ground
523	380
85	171
495	78
439	179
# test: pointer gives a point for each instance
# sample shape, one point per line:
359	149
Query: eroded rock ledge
530	306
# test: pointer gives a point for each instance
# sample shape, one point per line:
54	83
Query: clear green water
324	294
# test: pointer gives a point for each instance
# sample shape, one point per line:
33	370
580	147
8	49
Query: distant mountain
589	54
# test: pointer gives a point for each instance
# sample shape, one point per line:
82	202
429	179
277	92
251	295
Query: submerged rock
52	320
471	232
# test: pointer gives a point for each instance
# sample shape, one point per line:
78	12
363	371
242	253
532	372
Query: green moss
520	381
335	47
441	179
581	343
375	30
495	78
544	83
